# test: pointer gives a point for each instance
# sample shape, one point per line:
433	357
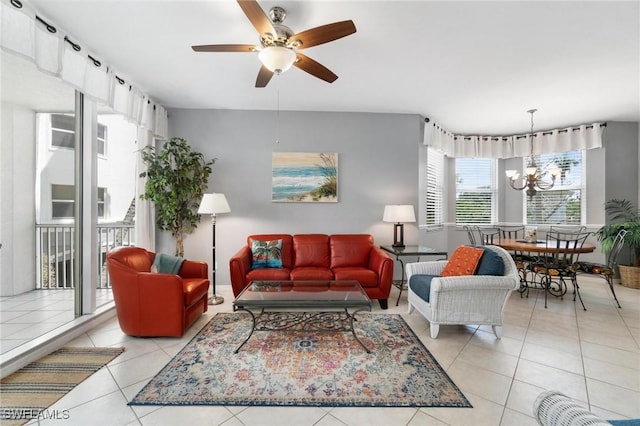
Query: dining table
529	254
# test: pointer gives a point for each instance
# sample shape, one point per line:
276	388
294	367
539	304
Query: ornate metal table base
302	321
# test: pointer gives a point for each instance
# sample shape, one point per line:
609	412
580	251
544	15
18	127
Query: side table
418	251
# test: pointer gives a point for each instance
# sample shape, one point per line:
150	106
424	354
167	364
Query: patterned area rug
26	394
298	368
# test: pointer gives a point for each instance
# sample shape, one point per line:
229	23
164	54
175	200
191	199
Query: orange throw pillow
463	261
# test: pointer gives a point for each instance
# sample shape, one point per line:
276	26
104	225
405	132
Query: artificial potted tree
176	180
623	215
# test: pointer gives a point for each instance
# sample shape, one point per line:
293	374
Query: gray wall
378	165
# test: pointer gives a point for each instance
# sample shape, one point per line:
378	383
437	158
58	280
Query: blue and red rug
297	368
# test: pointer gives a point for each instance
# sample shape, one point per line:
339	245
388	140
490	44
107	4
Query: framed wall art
304	177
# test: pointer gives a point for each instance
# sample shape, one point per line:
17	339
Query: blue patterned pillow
258	254
266	254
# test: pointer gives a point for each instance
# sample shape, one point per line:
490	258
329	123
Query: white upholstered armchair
468	299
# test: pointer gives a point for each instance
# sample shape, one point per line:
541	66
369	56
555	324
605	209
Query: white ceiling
474	67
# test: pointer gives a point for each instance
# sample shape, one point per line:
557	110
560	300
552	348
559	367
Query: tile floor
592	356
32	314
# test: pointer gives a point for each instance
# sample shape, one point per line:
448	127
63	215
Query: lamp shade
213	204
399	213
277	58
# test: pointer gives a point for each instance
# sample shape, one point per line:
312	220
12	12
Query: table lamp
214	204
398	214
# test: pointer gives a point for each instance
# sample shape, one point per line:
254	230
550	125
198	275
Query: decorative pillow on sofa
490	263
266	254
463	261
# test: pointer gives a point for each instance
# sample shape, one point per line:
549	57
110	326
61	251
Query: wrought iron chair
520	258
489	236
470	234
608	270
560	263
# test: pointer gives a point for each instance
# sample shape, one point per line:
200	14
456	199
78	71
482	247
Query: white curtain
145	214
22	34
558	140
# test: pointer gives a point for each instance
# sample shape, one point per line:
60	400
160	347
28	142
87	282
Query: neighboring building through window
564	203
476	191
63	201
63	133
434	200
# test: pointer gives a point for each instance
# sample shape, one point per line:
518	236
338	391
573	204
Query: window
476	190
563	204
63	132
434	199
63	201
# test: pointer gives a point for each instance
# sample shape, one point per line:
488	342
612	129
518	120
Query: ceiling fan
279	45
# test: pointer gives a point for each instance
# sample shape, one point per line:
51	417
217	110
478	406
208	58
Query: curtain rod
544	133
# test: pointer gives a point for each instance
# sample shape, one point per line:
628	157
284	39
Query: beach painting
304	177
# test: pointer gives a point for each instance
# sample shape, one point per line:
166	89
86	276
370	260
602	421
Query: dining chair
608	270
489	235
521	259
560	263
471	234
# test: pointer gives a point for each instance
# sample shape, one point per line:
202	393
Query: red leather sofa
155	304
308	257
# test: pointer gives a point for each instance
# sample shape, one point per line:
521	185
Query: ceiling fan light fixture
277	59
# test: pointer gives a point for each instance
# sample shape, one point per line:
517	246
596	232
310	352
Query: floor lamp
214	204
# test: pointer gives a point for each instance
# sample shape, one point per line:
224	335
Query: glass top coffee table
306	305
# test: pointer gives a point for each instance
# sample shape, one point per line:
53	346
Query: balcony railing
55	253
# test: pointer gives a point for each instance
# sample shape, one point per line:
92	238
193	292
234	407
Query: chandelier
533	181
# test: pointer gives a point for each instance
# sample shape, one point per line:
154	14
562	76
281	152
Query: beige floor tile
515	418
521	397
392	416
471	378
553	358
483	413
491	360
628	378
619	340
140	368
572	385
623	358
423	419
505	345
110	409
614	398
565	344
180	416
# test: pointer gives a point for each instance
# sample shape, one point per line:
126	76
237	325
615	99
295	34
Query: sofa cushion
421	285
463	261
311	273
365	276
166	264
311	250
194	289
490	263
268	274
286	250
350	250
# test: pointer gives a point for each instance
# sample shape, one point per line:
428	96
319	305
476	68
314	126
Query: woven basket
630	276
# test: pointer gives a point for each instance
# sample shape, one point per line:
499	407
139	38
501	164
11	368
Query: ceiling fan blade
314	68
256	15
225	48
264	76
323	34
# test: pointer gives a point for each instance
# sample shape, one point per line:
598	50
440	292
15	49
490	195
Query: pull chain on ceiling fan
279	45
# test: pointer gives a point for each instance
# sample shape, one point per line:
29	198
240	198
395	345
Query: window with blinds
563	204
476	191
434	199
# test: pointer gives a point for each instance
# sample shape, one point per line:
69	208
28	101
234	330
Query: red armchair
154	304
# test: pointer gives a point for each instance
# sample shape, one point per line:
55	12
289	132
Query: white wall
17	213
378	165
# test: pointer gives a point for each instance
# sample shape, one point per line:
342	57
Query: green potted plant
622	214
176	180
